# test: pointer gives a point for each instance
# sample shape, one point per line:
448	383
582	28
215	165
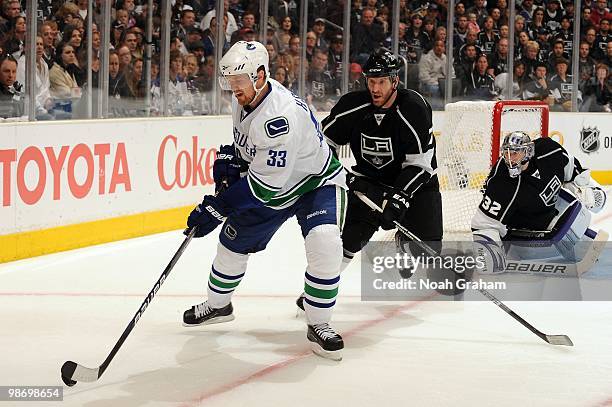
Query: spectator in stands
135	79
335	54
585	20
131	41
488	38
230	25
210	36
589	37
470	40
557	52
537	24
62	75
598	91
561	87
608	58
44	101
66	13
320	85
565	34
11	97
603	36
15	40
465	66
281	76
586	64
498	61
72	36
518	80
504	31
117	33
531	57
188	20
480	10
432	69
480	85
11	9
460	31
285	32
382	19
429	29
601	11
355	80
526	10
415	37
495	14
117	84
537	87
365	37
318	29
519	27
47	31
248	23
553	16
311	45
125	57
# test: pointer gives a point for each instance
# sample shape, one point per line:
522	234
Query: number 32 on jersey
490	206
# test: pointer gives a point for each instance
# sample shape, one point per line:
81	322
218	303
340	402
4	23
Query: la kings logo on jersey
589	139
377	151
550	192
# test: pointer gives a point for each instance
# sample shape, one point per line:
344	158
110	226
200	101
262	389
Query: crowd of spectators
542	57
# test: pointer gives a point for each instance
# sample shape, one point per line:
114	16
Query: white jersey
282	143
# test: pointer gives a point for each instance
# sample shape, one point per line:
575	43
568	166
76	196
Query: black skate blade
216	320
327	354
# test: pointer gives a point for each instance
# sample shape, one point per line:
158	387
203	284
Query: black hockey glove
394	209
368	187
226	169
206	216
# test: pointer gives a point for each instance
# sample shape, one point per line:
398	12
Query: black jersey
527	201
394	146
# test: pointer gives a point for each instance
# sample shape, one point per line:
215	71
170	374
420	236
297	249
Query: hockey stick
73	372
551	339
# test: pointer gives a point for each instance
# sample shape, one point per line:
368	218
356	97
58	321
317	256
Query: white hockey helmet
244	58
517	142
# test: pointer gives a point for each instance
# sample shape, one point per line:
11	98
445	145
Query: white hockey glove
489	253
588	191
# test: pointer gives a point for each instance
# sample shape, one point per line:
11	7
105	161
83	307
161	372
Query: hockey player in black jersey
390	134
535	191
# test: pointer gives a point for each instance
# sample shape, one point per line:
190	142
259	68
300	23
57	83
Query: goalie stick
551	339
73	372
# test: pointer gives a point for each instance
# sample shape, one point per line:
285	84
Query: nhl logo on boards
589	139
377	151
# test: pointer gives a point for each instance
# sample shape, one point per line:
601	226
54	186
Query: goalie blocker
526	214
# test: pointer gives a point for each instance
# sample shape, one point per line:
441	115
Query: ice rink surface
75	305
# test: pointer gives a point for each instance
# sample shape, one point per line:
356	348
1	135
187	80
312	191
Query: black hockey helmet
382	62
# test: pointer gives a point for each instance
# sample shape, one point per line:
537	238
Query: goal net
469	146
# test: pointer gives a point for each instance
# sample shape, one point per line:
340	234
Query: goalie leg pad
228	269
324	257
572	229
487	247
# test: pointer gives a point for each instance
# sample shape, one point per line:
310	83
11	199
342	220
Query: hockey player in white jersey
536	191
289	170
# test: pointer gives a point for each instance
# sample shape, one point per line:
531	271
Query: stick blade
73	372
563	340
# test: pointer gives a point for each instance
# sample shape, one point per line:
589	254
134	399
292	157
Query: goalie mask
240	64
516	150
